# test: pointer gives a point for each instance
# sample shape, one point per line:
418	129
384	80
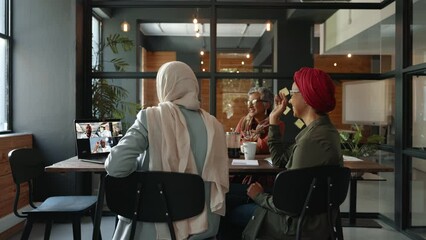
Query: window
4	66
96	40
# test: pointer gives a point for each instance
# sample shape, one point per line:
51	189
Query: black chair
26	165
311	191
155	197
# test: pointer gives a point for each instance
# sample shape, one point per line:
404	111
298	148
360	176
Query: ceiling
188	29
231	36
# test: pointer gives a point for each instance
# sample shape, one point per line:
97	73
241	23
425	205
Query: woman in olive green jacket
312	97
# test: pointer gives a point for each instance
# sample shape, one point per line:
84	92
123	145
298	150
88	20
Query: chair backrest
163	196
26	164
292	189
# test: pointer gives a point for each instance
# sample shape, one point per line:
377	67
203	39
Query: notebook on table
95	138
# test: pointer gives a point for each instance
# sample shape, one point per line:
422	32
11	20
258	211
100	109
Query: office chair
155	197
312	191
26	165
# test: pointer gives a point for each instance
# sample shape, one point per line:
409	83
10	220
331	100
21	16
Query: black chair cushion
292	186
184	194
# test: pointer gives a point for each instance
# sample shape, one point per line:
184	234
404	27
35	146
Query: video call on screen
97	137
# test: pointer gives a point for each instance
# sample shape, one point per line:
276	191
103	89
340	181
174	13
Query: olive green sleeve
280	152
265	200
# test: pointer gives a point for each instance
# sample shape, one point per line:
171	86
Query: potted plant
353	143
108	99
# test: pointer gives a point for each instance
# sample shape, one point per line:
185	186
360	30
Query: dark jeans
239	209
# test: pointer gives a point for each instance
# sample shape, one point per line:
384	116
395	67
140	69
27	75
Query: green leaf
107	99
351	142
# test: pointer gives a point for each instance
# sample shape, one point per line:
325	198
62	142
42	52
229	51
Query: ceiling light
248	55
349	55
195	21
335	64
201	52
197	34
242	62
125	26
268	26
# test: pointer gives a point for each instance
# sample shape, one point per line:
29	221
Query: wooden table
74	164
358	168
264	168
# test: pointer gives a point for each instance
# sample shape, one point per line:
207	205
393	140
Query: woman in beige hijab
178	136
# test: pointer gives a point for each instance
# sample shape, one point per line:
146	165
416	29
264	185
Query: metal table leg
99	208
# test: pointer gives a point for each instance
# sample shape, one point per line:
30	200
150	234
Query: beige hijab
169	143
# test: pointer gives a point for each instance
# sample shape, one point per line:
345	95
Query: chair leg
76	228
339	230
47	229
27	230
92	216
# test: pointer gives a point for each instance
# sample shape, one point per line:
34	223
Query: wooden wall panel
205	94
354	64
151	62
236	96
231	98
7	143
231	94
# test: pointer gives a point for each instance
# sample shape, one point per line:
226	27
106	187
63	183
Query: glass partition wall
233	46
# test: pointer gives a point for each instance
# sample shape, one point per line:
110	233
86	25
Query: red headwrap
317	88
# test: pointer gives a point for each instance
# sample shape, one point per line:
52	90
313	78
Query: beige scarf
169	143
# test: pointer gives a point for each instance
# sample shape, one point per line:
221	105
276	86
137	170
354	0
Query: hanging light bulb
125	26
268	26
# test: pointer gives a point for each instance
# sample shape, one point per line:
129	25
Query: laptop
95	138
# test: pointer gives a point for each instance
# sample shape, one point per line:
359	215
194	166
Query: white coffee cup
249	150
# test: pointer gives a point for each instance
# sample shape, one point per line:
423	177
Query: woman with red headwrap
312	97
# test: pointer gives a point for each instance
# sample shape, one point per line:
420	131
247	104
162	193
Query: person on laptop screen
101	146
176	136
89	133
104	131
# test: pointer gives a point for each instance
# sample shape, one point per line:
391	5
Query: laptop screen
95	138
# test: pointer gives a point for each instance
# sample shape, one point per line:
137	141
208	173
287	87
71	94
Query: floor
64	231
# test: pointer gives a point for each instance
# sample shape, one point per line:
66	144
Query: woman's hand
280	106
254	189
